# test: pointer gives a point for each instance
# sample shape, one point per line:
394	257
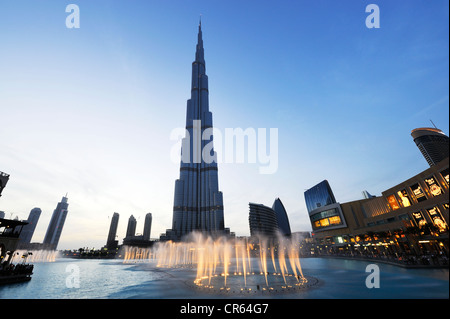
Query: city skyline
89	111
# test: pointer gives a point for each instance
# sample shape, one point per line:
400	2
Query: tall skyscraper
432	143
282	218
111	242
56	225
147	226
28	230
131	228
198	203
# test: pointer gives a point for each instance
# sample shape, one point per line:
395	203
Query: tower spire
199	54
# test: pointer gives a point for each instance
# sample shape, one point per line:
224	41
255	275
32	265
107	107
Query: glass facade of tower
3	180
111	242
319	195
262	220
282	218
432	143
28	230
198	203
56	225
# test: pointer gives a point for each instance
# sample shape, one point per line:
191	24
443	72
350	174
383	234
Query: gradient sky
89	111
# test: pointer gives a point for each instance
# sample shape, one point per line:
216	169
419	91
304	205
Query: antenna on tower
433	124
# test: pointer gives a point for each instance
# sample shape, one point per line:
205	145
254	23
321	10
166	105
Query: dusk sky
89	111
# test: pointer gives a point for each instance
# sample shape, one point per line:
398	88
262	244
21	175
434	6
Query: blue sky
89	111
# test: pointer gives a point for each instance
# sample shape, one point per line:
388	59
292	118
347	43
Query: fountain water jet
34	256
224	264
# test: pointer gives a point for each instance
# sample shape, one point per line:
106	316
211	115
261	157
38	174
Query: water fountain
34	256
230	266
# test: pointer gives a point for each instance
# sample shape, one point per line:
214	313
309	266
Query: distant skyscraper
198	203
432	143
3	180
262	220
28	230
282	218
367	195
147	226
56	225
111	242
131	228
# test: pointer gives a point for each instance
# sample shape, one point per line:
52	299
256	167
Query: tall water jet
230	265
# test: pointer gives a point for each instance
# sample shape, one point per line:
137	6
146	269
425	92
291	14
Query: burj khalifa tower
198	203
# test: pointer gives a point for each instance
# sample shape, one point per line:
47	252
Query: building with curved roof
432	143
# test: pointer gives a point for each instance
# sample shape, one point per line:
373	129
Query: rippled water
114	279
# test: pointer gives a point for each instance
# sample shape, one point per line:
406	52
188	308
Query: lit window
403	195
335	220
418	192
419	219
324	222
433	186
393	202
437	219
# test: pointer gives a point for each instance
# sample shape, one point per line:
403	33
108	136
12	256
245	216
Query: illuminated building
324	212
319	196
432	143
411	217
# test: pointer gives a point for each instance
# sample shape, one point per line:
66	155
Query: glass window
419	219
433	186
418	192
324	222
444	174
393	202
335	220
404	198
437	218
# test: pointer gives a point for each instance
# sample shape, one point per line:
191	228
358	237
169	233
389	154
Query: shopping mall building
409	218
